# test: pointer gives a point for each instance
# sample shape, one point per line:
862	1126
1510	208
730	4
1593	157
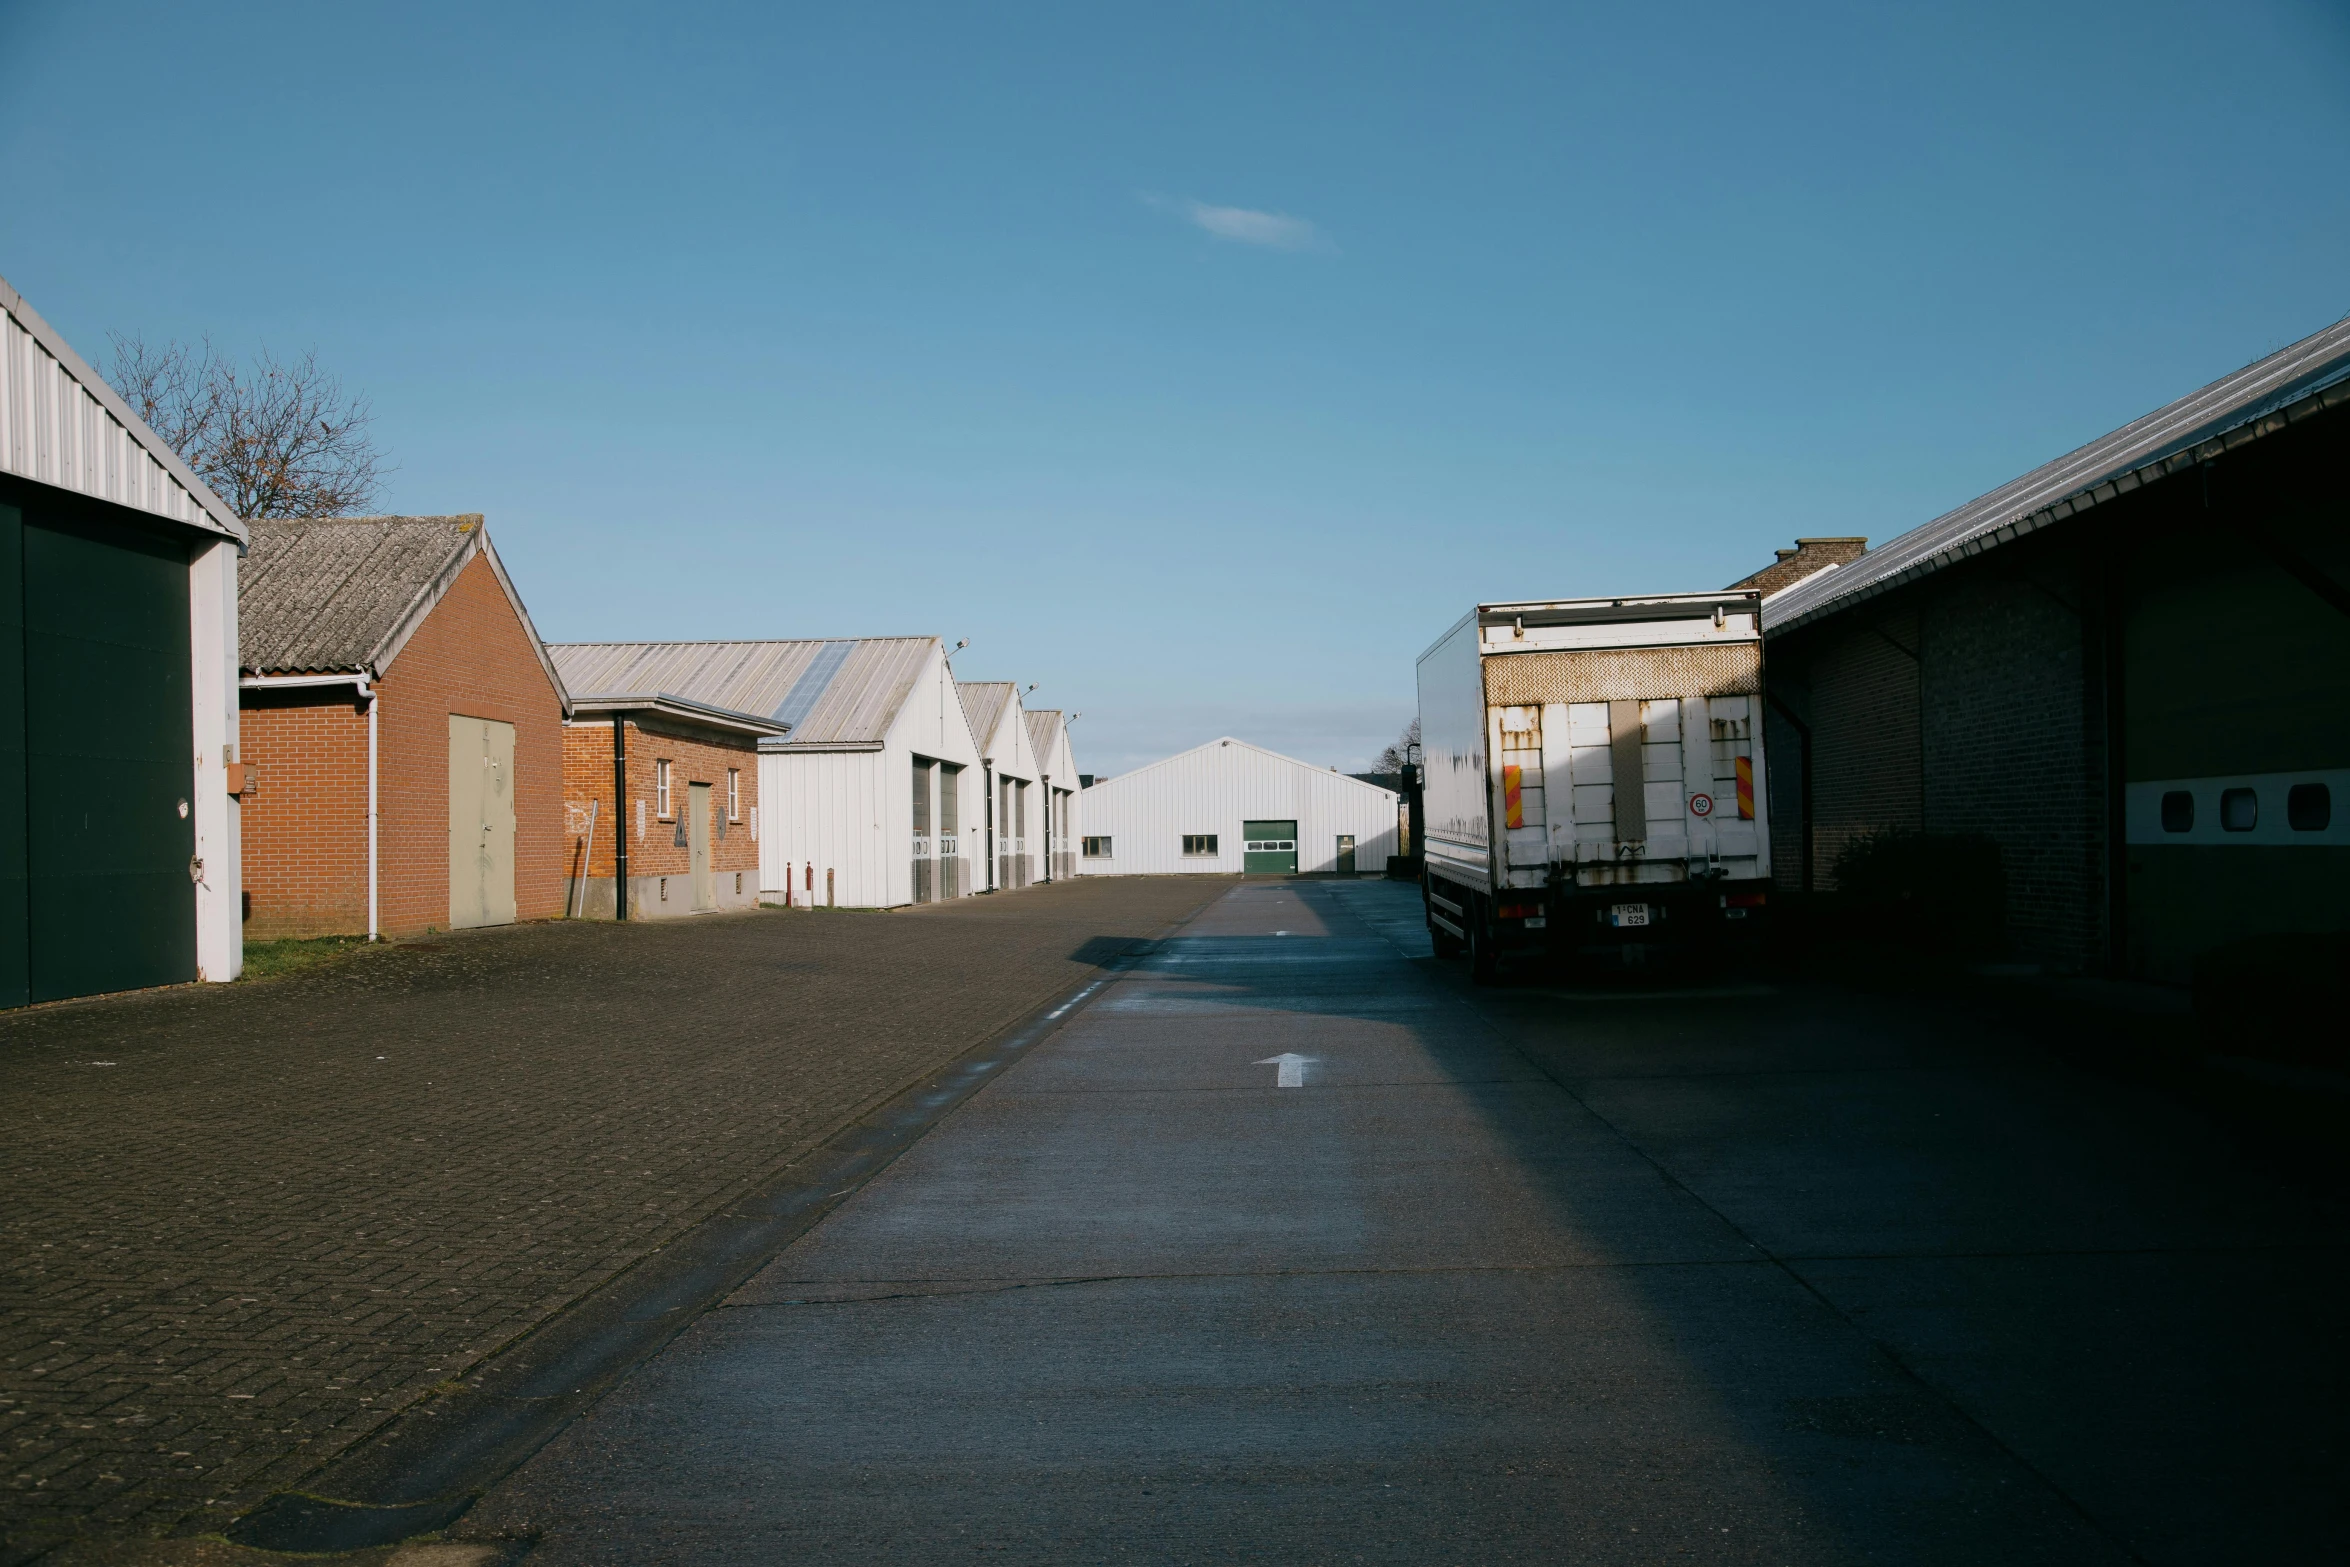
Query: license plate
1537	922
1629	914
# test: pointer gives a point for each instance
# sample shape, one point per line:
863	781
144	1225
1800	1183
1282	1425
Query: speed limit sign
1701	805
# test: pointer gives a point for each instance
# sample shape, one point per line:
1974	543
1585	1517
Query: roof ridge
733	641
473	517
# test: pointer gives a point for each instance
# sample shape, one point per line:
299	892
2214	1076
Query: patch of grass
291	955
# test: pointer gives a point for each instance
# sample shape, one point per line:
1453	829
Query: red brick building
691	822
402	732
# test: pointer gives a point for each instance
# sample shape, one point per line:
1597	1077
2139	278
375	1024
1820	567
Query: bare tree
278	440
1399	755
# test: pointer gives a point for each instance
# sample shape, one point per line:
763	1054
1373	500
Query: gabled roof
61	424
1044	723
2310	375
1231	740
983	707
336	595
836	694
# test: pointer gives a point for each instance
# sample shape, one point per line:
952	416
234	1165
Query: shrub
1947	891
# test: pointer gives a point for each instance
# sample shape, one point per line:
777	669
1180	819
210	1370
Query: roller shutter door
96	765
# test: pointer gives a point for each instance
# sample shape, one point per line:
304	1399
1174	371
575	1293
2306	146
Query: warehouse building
119	827
1230	808
1013	797
2126	671
863	792
686	776
403	732
1056	773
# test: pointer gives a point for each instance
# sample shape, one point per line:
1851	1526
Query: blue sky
1199	364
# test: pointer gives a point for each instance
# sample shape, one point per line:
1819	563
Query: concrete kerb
421	1471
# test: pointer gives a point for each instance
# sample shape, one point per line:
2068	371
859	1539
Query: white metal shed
1012	779
1056	766
120	857
1230	807
871	797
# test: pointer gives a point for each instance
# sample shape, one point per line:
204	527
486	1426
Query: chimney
1808	556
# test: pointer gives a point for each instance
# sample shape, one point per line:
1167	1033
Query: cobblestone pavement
244	1225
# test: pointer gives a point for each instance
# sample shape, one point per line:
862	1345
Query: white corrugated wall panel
60	424
824	809
851	812
1147	813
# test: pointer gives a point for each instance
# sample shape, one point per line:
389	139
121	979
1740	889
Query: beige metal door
481	822
697	843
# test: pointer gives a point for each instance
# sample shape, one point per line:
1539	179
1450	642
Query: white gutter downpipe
357	679
372	706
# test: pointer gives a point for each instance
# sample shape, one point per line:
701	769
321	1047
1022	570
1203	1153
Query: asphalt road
1738	1273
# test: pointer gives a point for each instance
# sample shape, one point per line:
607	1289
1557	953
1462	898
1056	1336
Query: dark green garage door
1268	848
96	756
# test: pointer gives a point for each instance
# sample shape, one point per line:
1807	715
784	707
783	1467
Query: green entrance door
1268	848
96	771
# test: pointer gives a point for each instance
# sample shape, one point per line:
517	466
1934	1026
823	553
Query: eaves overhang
53	434
630	704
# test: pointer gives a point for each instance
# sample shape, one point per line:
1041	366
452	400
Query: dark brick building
2128	669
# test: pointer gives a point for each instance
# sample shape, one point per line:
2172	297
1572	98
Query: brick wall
2011	747
305	825
305	812
587	776
1995	727
1865	737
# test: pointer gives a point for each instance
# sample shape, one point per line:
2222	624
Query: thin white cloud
1244	225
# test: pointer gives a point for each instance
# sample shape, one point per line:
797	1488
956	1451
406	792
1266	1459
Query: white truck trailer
1592	776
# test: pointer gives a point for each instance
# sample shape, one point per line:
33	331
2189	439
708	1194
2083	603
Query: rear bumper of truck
1679	914
1566	922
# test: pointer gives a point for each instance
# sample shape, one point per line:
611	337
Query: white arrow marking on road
1293	1069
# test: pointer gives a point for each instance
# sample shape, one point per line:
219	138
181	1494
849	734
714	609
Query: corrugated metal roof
983	707
328	594
1043	724
61	424
606	704
2313	365
832	692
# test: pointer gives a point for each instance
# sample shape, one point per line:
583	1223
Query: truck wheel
1442	941
1484	961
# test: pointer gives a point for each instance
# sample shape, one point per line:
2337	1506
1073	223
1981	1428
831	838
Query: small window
734	794
2178	811
2309	807
1199	843
2239	810
1097	848
661	790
